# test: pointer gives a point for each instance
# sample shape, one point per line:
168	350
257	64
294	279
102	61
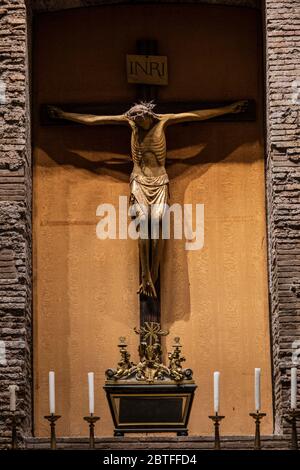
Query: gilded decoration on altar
150	368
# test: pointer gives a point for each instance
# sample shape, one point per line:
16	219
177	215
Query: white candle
91	392
12	397
257	389
216	391
52	392
294	388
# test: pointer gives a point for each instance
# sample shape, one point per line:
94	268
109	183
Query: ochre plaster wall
215	298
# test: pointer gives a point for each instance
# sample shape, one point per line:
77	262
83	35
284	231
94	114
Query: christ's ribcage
155	145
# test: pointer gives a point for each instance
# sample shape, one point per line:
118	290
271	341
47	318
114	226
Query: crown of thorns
141	109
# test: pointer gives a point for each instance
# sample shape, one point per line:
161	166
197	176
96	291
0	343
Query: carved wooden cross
149	307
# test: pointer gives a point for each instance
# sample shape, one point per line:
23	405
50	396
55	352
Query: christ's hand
54	112
239	106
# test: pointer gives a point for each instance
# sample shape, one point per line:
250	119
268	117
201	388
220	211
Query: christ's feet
147	288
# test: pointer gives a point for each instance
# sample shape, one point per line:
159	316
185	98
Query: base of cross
150	396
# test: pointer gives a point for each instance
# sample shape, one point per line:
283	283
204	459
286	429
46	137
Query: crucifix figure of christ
149	180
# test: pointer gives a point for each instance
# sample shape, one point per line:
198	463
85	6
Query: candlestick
91	392
257	373
52	392
52	419
216	420
216	391
293	388
92	420
257	417
12	397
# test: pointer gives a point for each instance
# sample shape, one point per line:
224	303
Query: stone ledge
142	442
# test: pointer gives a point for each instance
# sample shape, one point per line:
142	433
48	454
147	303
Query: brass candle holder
216	420
292	419
92	420
52	420
13	431
257	417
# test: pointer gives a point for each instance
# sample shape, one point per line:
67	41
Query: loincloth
149	195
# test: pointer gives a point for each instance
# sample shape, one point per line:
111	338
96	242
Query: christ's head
142	114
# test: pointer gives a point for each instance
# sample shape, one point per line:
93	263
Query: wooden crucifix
149	180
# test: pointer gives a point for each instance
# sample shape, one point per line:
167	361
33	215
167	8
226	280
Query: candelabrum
52	420
292	419
13	431
257	417
216	420
92	420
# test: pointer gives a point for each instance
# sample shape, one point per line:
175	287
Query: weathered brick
15	206
282	70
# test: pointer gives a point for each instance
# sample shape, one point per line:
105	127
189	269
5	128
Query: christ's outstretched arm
89	119
204	114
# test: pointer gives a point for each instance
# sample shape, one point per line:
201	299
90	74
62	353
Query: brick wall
283	183
15	215
282	21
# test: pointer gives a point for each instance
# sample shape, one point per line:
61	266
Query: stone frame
281	50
